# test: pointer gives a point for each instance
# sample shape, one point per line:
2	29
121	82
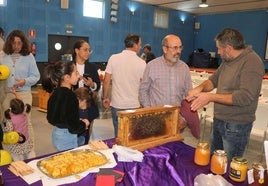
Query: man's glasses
175	47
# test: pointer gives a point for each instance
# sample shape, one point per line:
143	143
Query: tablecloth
168	164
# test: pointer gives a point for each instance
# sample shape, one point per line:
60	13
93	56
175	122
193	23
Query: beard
175	58
226	58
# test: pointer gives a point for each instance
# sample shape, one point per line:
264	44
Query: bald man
167	79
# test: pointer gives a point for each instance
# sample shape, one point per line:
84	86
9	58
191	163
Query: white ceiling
215	6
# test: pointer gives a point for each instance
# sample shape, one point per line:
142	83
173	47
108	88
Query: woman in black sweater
62	108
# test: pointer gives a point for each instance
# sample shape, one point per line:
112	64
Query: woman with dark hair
89	77
62	107
23	70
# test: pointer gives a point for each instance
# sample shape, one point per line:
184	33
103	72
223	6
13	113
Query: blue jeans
81	140
115	118
231	137
62	139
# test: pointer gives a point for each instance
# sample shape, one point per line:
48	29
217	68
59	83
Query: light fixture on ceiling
203	4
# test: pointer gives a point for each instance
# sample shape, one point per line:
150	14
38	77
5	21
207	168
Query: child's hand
87	123
13	91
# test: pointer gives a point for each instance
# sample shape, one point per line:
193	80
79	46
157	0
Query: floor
103	129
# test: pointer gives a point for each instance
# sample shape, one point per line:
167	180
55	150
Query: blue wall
105	37
253	25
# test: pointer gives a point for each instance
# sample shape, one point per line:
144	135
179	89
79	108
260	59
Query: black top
63	112
91	69
149	57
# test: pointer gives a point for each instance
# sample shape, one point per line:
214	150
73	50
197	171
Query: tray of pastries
71	163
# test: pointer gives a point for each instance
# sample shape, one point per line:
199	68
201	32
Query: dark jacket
63	110
149	57
91	69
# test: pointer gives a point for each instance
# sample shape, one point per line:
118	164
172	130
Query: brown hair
131	39
17	107
26	46
53	74
83	93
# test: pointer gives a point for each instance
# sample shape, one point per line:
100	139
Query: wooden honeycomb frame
128	129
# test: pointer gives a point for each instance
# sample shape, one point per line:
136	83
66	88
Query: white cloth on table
126	154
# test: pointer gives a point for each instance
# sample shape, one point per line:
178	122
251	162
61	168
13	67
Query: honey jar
260	174
218	162
202	154
238	169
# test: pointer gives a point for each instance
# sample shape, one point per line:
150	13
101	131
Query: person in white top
125	69
89	78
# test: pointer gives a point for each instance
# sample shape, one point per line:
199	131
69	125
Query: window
161	19
94	8
3	2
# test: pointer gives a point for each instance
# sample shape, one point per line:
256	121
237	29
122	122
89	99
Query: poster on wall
266	53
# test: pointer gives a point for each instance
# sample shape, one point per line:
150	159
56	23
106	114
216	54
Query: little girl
16	119
62	108
87	99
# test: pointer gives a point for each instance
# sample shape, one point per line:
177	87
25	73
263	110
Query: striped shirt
163	84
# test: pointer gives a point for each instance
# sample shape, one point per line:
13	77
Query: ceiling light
203	4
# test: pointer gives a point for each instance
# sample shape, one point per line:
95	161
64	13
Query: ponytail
53	74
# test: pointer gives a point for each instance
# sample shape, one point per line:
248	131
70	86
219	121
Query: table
165	165
259	128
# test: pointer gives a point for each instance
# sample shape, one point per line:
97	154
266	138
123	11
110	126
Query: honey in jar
260	174
218	162
238	169
202	154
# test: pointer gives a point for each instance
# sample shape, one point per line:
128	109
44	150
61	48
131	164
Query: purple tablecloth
165	165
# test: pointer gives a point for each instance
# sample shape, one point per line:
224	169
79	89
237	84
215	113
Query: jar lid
202	145
258	166
240	160
220	152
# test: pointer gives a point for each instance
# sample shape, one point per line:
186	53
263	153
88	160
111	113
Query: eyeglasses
86	50
175	47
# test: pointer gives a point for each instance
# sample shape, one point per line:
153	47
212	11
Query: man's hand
106	103
201	99
191	94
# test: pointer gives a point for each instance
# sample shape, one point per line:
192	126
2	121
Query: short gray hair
231	37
